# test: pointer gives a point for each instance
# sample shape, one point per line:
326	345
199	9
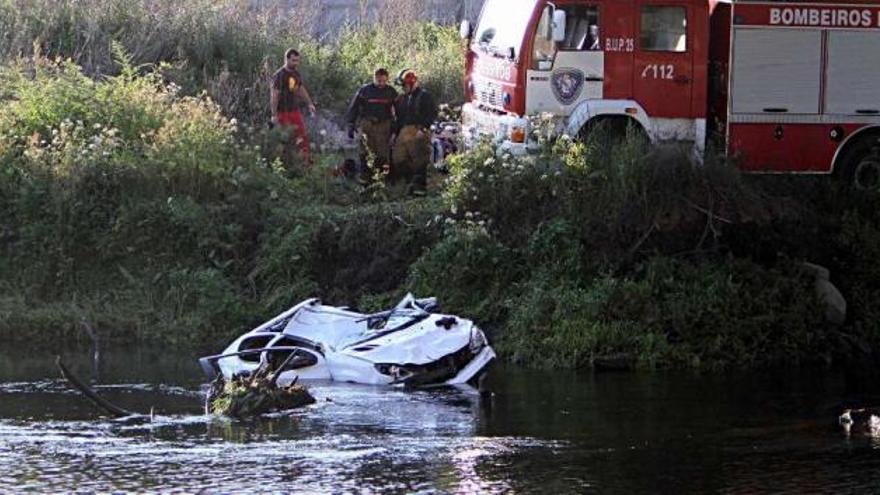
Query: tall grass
143	211
229	48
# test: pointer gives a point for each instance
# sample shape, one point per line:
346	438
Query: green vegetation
584	253
229	48
140	210
134	204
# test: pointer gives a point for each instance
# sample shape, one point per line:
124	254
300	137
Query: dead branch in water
242	397
90	394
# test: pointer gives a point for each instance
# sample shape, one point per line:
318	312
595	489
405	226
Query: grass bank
150	214
587	255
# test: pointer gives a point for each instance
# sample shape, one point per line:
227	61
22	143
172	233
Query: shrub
621	203
858	257
468	271
670	314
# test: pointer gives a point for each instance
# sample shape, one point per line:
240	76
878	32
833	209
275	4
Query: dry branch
90	394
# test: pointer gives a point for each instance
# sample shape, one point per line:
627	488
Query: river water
541	432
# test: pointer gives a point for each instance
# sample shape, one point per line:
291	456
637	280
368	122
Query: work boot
415	190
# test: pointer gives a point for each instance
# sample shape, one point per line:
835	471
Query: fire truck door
663	76
564	74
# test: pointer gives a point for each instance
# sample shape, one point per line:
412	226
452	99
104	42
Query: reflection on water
540	433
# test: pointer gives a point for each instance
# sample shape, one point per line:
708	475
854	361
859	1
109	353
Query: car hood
422	343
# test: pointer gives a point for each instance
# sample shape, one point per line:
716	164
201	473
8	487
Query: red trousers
299	135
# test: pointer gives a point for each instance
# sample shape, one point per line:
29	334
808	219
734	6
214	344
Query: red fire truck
787	87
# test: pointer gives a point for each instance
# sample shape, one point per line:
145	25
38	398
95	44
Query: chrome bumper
479	124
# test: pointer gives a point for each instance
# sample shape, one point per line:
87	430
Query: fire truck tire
859	165
866	176
613	131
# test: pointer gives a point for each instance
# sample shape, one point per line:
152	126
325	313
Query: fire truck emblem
567	85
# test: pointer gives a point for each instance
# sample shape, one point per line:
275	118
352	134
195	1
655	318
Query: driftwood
242	397
90	394
256	394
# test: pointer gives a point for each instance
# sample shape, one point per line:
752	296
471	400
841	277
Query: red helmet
407	76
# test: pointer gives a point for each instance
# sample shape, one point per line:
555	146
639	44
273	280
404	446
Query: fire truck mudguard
593	109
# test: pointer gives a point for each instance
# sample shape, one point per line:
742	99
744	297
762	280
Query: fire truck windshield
503	25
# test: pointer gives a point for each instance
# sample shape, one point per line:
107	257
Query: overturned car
409	345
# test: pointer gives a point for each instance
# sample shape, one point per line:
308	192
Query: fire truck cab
783	86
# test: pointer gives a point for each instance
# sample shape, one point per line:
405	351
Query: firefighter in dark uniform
416	112
372	111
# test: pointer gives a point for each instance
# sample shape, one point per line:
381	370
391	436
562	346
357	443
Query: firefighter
416	112
372	111
288	95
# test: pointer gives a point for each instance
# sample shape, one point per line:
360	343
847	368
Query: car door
563	74
663	79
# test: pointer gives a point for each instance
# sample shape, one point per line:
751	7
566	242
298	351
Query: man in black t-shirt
372	110
288	94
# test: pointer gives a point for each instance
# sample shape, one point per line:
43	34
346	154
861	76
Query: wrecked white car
409	345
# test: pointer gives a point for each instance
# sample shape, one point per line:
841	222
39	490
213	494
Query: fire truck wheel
613	131
859	165
866	176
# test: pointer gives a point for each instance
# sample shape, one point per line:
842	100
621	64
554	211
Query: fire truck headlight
518	130
517	134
